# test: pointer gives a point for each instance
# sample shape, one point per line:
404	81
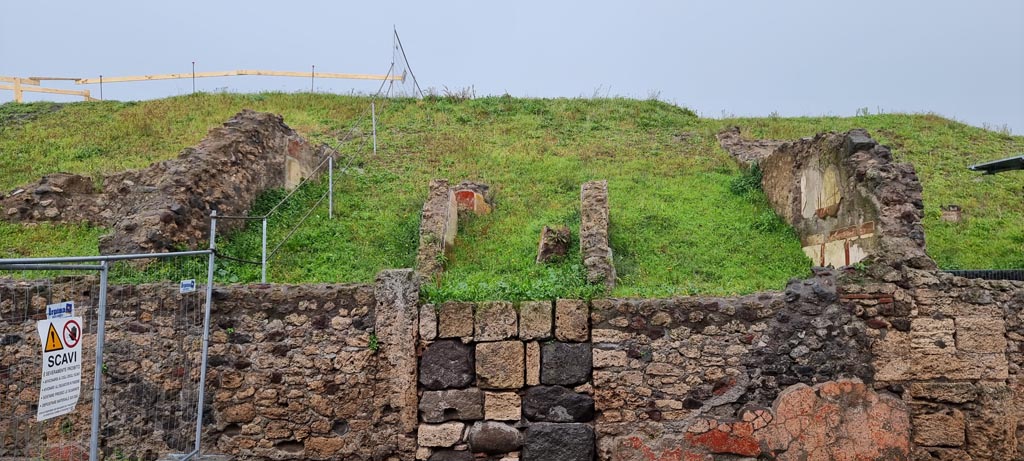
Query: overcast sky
961	59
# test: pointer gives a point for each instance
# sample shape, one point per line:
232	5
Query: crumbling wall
439	224
296	372
594	220
843	194
168	204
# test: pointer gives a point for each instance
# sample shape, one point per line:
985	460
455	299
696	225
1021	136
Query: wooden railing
20	85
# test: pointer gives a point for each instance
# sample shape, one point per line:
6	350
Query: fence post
206	331
373	113
97	379
330	187
17	90
263	257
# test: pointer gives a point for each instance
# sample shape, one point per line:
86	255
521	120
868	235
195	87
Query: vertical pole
330	187
263	258
17	90
373	113
206	330
312	78
97	378
101	87
193	77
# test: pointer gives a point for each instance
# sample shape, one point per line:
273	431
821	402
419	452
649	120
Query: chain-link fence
103	358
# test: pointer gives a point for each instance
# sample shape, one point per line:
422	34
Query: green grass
680	224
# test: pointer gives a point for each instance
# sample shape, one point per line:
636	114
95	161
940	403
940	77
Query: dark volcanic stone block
494	437
451	455
565	364
559	442
452	405
446	364
556	404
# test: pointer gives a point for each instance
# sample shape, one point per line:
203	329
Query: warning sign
61	385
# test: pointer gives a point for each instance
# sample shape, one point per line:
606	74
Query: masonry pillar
397	320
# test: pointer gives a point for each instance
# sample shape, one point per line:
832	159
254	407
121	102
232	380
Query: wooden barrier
18	90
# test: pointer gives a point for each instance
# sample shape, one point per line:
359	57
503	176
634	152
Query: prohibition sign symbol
72	333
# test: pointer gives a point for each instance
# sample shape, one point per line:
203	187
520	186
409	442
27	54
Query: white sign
188	286
62	366
60	310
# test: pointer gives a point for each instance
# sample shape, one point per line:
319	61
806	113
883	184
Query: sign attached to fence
60	310
61	386
188	286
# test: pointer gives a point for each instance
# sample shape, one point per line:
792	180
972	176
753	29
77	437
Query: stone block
455	320
451	455
594	247
932	337
500	365
428	322
558	442
532	363
493	437
502	406
554	244
572	320
944	392
609	359
981	335
939	429
535	320
556	404
452	405
565	364
495	321
440	435
446	364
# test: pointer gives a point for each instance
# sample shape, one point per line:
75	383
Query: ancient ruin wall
168	204
292	371
843	194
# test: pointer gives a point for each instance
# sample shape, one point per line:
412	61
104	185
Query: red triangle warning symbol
52	340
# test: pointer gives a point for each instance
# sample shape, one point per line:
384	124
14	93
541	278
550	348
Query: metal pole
263	258
193	77
312	77
101	87
330	187
97	378
373	113
206	330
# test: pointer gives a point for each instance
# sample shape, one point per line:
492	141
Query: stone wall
843	194
503	381
594	247
439	224
168	204
296	372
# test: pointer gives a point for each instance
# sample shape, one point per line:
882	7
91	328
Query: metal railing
146	340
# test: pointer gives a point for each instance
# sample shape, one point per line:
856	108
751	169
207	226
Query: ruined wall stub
439	225
594	220
843	194
168	204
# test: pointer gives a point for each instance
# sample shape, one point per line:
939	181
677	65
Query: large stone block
945	429
558	442
451	455
455	320
495	321
500	365
535	320
981	335
440	435
556	404
502	406
565	364
428	322
572	320
494	437
446	364
457	405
